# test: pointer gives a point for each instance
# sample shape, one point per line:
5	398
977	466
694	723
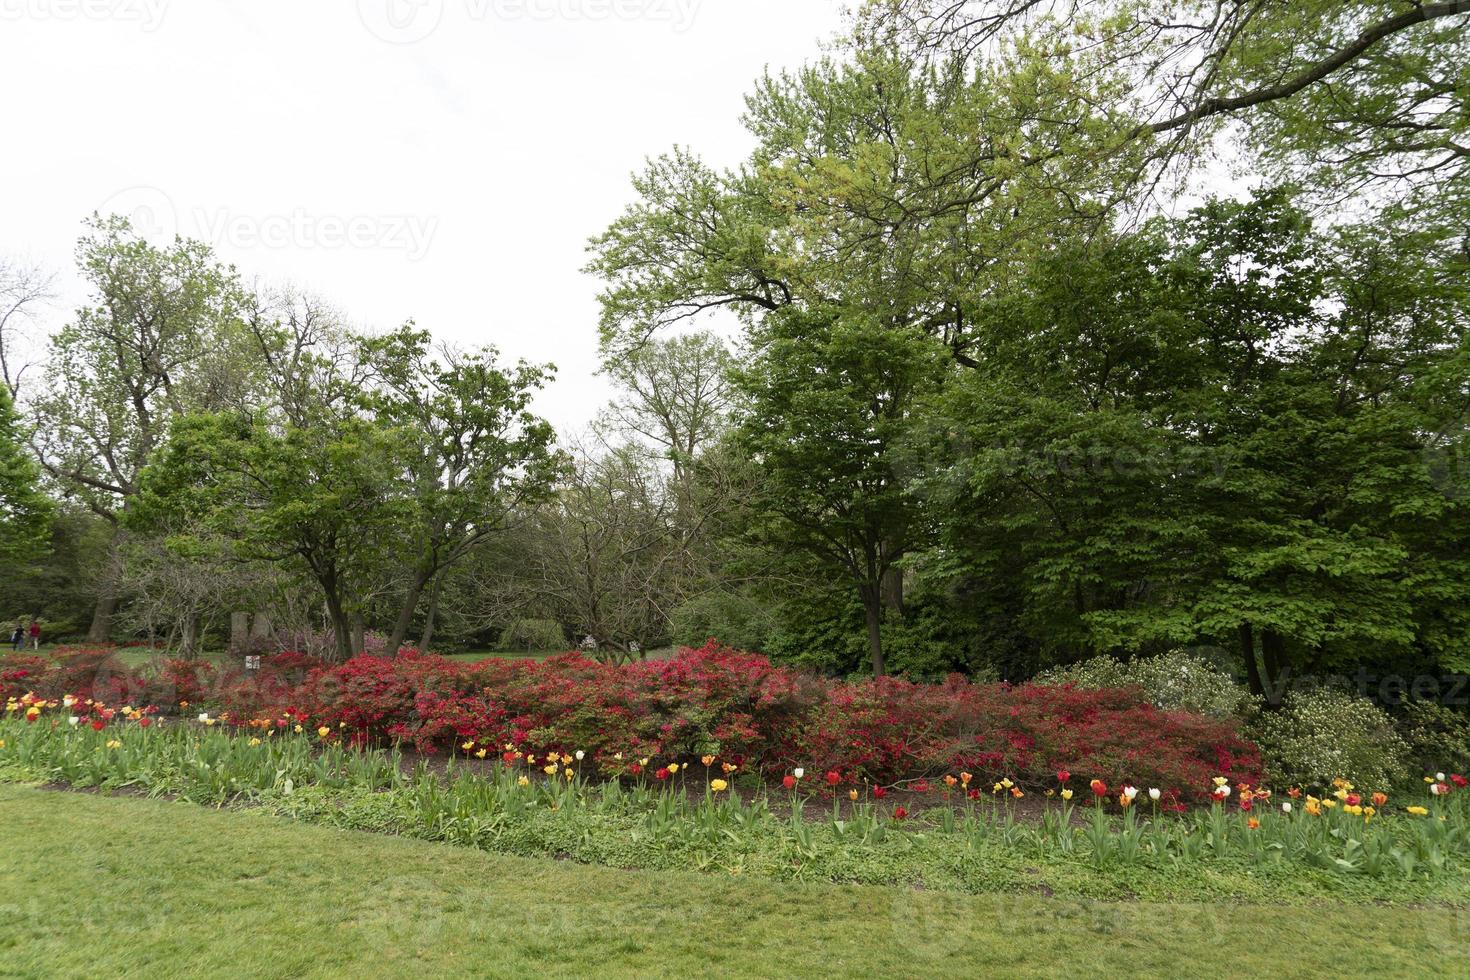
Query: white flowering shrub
1175	681
1321	735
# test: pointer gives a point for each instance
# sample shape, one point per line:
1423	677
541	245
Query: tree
323	496
22	289
1356	93
1219	431
830	408
479	457
128	364
25	512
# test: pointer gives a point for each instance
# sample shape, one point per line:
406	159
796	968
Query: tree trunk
430	616
189	637
341	628
357	628
101	629
239	630
893	590
873	612
1248	653
1273	651
406	611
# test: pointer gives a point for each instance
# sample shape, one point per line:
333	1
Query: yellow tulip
324	731
1418	811
523	781
480	754
718	785
550	770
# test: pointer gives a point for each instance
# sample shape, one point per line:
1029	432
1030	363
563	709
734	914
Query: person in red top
35	633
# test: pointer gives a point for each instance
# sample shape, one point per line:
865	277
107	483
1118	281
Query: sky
440	160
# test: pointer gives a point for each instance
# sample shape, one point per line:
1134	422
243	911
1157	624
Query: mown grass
94	885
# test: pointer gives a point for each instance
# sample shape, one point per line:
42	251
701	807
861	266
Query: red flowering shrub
713	699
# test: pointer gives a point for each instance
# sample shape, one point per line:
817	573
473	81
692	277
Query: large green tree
1225	430
158	338
479	458
25	511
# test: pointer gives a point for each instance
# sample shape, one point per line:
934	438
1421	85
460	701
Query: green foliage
534	635
25	512
1174	681
1320	735
735	619
1438	736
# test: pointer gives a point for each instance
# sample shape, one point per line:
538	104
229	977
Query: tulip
707	759
1130	792
852	794
1099	788
1439	777
1460	781
899	813
73	720
1379	799
718	785
673	767
950	781
98	725
798	772
833	778
204	716
480	754
324	731
523	781
662	774
728	767
1253	823
1066	794
1286	806
550	770
580	755
789	782
144	722
468	745
1154	795
1418	811
965	778
1220	780
1063	775
879	792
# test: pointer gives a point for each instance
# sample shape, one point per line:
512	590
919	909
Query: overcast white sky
444	160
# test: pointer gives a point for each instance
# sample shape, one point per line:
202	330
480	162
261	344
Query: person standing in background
35	633
18	635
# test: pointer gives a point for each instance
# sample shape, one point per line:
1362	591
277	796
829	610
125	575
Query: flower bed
764	718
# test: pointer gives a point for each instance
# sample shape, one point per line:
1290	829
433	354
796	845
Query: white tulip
1439	776
1154	795
204	716
1130	791
579	754
798	773
73	720
1286	807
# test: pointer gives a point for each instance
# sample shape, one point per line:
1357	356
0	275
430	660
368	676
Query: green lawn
94	885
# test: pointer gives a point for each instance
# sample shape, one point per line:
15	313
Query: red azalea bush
713	699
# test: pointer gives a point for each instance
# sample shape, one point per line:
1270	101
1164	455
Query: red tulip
833	778
98	725
789	781
1460	781
144	722
635	768
509	758
973	794
661	774
1063	775
1099	788
1353	799
922	786
899	813
879	792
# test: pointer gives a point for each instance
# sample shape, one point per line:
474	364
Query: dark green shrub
534	635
